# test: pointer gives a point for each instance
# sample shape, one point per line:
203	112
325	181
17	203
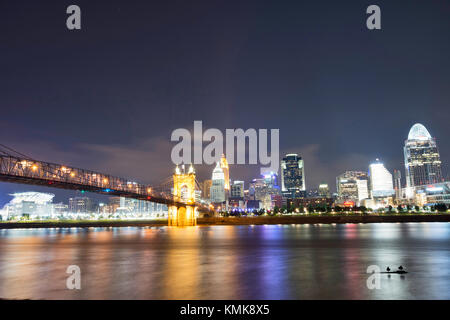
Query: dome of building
418	132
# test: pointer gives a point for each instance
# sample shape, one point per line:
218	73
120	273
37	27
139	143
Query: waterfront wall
234	221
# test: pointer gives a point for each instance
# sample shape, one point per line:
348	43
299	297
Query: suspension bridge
16	167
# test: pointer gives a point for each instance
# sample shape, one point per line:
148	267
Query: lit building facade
398	184
352	186
218	193
265	190
237	190
293	176
381	183
422	160
226	172
32	204
82	205
324	190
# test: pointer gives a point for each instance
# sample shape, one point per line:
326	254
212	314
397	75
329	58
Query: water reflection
228	262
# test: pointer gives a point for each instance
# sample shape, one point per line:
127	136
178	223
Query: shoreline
265	220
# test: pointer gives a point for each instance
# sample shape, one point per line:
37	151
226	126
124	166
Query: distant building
293	176
114	204
218	185
226	172
398	184
312	193
324	191
237	190
253	205
236	200
352	186
314	202
438	193
82	205
30	204
422	160
381	183
60	208
206	189
265	189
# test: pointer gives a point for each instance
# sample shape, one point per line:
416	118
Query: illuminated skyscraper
218	185
292	176
226	172
422	160
381	183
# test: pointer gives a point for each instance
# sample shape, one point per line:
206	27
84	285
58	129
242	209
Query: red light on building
349	204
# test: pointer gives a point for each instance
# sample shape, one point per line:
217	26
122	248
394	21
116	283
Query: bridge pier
182	216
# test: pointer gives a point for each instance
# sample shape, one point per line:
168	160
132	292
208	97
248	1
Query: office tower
381	184
352	186
218	185
292	176
324	191
422	160
237	190
81	205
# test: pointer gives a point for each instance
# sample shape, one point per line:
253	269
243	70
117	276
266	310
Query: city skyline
416	133
224	156
322	78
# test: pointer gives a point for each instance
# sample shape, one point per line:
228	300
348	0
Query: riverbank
313	219
298	219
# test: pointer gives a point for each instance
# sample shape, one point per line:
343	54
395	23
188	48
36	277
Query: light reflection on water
227	262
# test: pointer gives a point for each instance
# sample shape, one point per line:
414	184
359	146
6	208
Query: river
322	261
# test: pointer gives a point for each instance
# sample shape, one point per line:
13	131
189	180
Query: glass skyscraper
292	176
422	160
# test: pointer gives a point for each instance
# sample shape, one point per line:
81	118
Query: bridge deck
21	170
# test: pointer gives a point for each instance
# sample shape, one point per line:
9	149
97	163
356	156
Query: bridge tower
184	192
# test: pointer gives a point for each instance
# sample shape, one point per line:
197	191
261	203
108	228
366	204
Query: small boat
399	271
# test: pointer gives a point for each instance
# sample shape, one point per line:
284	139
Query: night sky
108	96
